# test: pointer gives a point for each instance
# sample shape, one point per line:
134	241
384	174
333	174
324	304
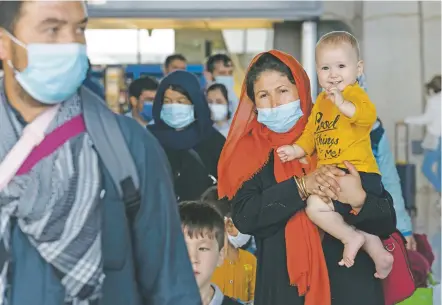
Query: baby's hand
335	95
290	152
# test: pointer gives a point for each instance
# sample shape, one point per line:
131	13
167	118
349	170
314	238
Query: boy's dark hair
200	219
141	84
267	62
214	59
173	57
9	14
223	206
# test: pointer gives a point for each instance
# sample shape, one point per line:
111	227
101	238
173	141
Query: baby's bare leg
324	217
383	260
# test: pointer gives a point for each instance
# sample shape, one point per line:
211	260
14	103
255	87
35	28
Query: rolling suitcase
406	170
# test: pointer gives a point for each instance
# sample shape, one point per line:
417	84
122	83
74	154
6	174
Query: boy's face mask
240	239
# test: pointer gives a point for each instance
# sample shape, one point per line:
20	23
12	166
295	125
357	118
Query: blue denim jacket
390	178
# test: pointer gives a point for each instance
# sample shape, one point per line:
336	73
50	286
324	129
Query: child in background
338	130
236	276
203	229
236	238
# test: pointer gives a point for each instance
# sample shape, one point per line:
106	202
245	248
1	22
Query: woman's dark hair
267	62
181	90
223	89
434	84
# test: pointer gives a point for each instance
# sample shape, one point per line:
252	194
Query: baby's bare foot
351	248
384	263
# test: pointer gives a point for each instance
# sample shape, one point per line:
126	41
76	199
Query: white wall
390	39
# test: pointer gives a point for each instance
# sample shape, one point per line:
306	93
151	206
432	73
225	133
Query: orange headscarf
247	150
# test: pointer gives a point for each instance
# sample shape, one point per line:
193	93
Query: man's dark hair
173	57
223	206
214	59
267	62
9	14
200	219
141	84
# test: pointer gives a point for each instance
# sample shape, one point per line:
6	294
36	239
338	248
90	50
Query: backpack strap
104	130
52	142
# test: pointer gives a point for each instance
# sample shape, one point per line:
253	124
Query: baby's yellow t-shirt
337	138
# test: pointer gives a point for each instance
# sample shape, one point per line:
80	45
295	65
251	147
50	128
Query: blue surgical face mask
54	72
282	118
177	115
146	113
227	81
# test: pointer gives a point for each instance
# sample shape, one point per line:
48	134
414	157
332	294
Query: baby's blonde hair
339	37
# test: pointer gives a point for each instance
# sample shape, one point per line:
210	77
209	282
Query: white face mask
219	112
239	240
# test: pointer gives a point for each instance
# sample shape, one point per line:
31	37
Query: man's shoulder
132	130
140	140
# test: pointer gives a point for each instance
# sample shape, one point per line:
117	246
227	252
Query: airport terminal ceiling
180	24
211	12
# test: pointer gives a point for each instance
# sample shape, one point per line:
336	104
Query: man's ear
133	102
3	44
208	76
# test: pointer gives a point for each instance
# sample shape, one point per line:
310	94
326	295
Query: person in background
390	178
92	83
64	227
203	229
142	93
236	276
185	130
174	62
432	141
218	100
219	69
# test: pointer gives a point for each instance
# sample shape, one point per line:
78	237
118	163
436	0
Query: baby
338	130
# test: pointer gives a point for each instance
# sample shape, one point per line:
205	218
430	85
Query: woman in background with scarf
185	130
268	197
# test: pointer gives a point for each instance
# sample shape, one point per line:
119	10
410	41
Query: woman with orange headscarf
268	197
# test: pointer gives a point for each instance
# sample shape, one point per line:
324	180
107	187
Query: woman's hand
324	182
350	185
